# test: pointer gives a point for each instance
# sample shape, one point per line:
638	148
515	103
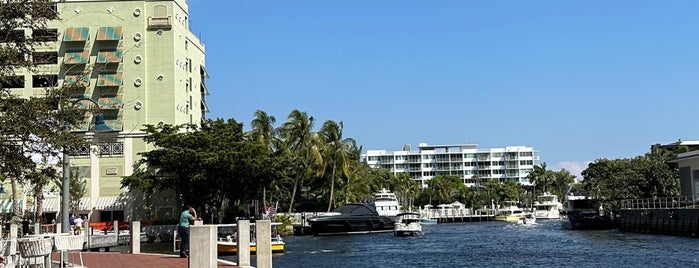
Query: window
45	35
45	57
111	148
45	80
12	36
12	82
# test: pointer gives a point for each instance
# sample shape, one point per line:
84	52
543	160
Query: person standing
187	217
78	224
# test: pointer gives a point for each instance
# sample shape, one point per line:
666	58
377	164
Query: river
491	244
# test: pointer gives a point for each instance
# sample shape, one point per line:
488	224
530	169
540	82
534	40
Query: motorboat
229	246
509	212
547	206
428	221
386	203
581	211
527	219
354	218
408	224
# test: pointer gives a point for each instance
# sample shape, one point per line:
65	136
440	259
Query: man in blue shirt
188	216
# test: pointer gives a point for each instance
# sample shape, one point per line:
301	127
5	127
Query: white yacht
408	224
547	206
386	203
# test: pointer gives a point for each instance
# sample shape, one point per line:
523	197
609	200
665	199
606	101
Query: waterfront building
474	166
139	61
688	164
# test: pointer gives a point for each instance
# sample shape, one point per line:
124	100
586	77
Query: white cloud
575	167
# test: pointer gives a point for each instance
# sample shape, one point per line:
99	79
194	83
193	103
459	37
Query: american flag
271	211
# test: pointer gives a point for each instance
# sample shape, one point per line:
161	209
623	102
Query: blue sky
577	80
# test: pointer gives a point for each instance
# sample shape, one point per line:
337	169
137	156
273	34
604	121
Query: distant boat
386	203
509	212
547	206
583	212
355	218
427	221
408	224
528	219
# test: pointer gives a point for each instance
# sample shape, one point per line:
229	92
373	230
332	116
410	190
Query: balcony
160	23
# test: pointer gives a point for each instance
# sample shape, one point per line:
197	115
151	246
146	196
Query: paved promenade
123	260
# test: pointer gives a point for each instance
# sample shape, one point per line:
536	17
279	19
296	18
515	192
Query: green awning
109	56
79	57
77	34
77	80
109	80
111	102
6	205
109	33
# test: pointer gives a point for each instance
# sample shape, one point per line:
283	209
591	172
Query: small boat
355	218
227	246
581	211
509	212
547	206
527	219
408	224
427	221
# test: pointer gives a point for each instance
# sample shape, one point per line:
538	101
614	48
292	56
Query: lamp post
99	127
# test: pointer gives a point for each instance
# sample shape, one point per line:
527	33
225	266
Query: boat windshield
585	204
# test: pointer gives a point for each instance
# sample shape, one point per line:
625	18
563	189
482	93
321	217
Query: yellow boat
230	247
509	212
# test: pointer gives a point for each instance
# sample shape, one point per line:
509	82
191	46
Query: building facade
136	59
474	166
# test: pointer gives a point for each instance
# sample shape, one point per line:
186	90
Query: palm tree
264	132
263	128
335	152
541	176
298	139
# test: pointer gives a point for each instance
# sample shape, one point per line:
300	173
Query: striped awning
111	102
77	80
78	57
109	56
6	205
109	203
109	80
51	205
77	34
84	204
109	33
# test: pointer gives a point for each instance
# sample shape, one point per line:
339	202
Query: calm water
491	244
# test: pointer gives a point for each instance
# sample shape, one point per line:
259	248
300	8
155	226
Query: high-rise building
466	161
139	61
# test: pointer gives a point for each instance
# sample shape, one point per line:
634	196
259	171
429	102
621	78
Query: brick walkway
123	260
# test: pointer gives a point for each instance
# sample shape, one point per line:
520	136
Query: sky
576	80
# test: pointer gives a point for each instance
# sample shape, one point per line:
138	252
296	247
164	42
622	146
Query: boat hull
585	220
228	248
351	225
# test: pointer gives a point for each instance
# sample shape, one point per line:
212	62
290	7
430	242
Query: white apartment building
473	166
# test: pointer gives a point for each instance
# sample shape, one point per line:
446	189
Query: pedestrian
78	224
187	217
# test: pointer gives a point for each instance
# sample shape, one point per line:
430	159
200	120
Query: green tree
297	134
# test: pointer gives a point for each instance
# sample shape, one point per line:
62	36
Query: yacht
580	211
547	206
509	212
355	218
386	203
408	224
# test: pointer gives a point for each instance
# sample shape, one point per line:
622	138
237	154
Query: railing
659	203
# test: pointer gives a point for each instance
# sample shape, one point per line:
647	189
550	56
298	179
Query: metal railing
660	203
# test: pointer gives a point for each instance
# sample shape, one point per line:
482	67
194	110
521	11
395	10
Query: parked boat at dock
408	224
386	203
355	218
580	211
547	206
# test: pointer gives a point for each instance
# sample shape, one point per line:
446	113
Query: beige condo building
139	61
